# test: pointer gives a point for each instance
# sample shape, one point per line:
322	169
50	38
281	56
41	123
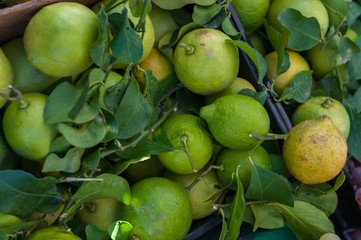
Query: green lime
6	77
322	62
159	210
316	107
24	127
205	62
26	77
230	159
8	220
181	130
232	118
53	233
200	192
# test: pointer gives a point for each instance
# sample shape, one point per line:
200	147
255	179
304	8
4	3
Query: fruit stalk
189	49
270	136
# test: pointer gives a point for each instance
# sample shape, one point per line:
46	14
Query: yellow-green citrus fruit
237	85
8	220
351	34
26	77
148	38
308	8
113	79
101	212
232	118
144	169
322	62
205	62
258	43
316	107
230	159
330	236
160	65
6	76
163	22
24	127
58	39
200	192
53	233
315	151
159	210
297	64
199	144
251	13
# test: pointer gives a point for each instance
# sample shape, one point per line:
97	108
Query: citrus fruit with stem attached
200	193
6	77
251	13
159	210
53	233
159	64
308	8
237	85
205	62
230	159
297	64
232	118
58	39
315	151
26	77
192	146
24	127
316	107
101	212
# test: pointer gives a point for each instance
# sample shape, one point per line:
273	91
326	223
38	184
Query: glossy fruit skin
101	212
316	107
322	62
58	39
26	77
159	210
251	13
145	169
297	64
6	76
310	151
308	8
8	220
199	193
212	66
232	118
329	236
237	85
199	144
53	233
230	159
25	130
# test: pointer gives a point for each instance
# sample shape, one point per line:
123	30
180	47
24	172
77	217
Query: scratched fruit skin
159	210
212	66
315	151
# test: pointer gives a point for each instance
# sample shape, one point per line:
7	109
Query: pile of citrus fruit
133	119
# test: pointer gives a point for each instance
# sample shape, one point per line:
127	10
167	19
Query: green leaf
339	181
255	56
300	88
111	125
346	49
21	193
126	38
266	216
136	7
165	88
354	138
354	11
237	210
94	233
120	166
120	230
3	236
267	185
277	42
224	230
330	86
278	165
259	96
99	51
85	136
320	196
70	163
81	91
228	28
62	100
353	67
133	113
92	159
59	145
17	227
189	100
151	86
305	220
205	14
304	32
111	186
169	5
